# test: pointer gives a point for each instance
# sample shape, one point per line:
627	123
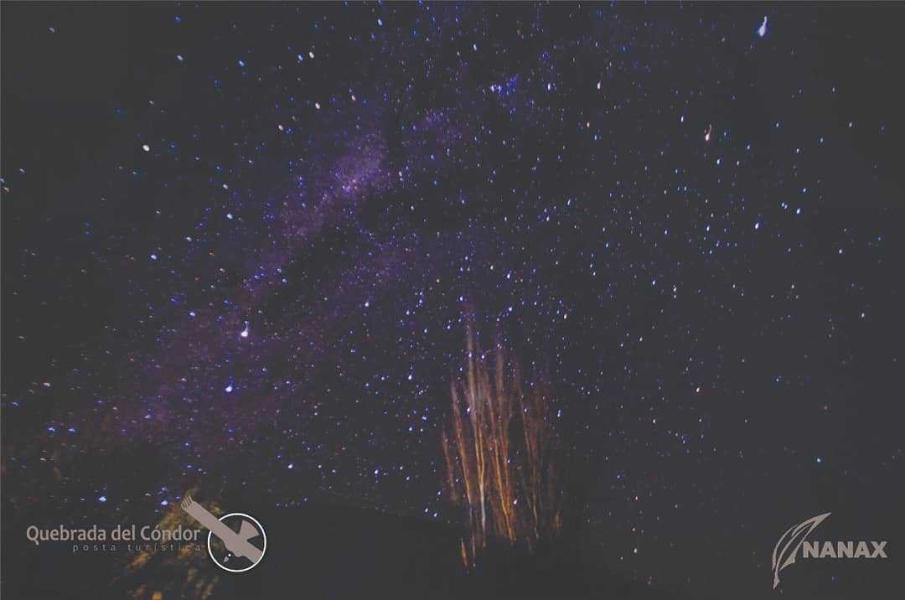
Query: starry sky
243	245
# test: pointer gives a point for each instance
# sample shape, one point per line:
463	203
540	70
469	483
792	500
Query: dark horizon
242	248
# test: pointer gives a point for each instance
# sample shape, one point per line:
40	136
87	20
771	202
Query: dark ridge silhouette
329	551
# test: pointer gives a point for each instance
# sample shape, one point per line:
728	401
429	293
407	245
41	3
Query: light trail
500	453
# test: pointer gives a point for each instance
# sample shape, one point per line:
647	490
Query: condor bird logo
230	549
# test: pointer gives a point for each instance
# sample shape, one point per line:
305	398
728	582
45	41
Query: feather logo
788	545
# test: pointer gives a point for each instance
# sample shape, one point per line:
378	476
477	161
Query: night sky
241	247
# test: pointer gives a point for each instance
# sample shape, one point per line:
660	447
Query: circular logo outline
263	548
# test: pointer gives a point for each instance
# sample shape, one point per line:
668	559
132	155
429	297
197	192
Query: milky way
246	244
